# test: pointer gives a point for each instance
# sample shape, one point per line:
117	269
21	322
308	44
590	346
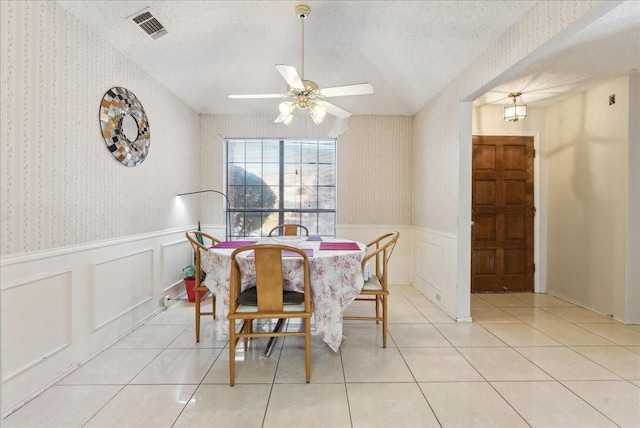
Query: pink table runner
340	246
233	244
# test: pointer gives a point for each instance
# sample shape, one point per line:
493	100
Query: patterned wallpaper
436	127
374	171
60	185
374	162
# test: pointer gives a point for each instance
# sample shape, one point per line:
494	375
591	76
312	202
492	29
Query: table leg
273	339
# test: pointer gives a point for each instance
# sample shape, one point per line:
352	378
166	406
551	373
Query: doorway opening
502	204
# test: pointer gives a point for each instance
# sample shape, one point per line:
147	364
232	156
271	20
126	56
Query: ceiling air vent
148	23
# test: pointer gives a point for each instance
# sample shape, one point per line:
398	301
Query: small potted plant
189	272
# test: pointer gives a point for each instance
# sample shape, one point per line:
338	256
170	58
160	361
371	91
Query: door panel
502	204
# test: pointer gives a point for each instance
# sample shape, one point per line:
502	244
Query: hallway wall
586	153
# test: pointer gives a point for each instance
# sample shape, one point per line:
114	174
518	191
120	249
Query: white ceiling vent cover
148	23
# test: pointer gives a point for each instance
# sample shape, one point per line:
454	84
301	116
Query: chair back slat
290	230
269	280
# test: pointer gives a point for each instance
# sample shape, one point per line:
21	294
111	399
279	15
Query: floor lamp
228	216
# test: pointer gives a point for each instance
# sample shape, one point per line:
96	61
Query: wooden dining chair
375	287
289	230
198	240
267	299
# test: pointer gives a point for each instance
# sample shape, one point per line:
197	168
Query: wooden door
502	214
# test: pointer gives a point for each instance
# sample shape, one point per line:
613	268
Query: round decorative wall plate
124	126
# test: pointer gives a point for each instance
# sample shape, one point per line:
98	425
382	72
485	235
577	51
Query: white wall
77	225
586	160
633	209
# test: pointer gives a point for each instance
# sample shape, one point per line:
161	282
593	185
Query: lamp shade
317	112
287	110
515	111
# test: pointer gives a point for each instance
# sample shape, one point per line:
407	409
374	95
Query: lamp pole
228	216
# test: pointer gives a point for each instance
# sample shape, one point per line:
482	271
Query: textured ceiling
605	50
408	50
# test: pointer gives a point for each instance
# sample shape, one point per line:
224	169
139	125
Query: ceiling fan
303	94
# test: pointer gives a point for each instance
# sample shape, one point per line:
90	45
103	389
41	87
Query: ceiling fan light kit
317	112
306	94
515	111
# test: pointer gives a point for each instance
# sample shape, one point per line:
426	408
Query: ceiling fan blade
260	96
342	91
334	110
290	75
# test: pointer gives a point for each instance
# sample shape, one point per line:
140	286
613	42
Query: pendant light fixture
515	111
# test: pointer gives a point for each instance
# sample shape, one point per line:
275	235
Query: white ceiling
408	50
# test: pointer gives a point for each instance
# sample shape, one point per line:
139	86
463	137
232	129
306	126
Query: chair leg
197	293
384	321
232	352
307	348
247	328
377	309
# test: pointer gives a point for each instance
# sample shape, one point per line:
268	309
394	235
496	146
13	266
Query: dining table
336	276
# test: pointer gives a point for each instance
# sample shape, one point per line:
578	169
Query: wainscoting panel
174	257
48	299
435	261
430	268
121	284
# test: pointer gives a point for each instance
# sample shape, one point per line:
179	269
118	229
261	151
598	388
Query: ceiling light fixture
515	111
305	94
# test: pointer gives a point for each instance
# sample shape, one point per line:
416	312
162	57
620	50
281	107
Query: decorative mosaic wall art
125	127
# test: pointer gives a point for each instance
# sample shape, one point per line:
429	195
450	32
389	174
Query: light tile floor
526	360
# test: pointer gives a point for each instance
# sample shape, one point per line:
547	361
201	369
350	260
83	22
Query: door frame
539	220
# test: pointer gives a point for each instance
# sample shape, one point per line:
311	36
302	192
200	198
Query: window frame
282	208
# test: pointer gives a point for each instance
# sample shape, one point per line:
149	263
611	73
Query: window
271	182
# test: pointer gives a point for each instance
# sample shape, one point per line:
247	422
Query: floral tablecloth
336	280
